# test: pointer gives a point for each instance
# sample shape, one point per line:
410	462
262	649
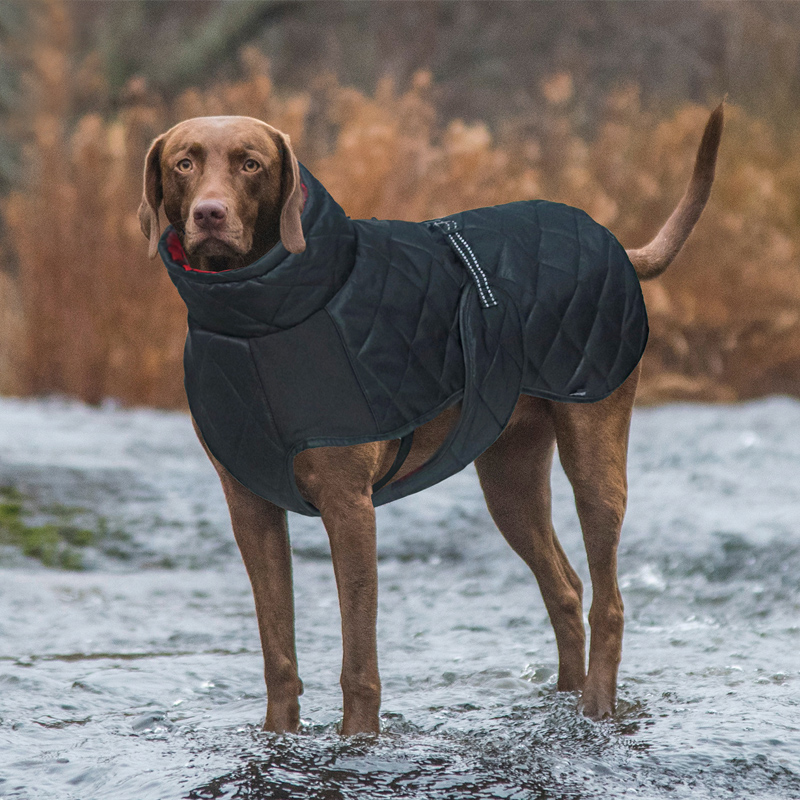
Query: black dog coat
381	325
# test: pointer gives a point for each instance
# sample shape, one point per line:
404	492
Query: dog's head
229	185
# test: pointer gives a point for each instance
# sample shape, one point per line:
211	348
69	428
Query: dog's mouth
213	244
217	255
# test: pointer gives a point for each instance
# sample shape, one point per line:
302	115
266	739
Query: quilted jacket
380	325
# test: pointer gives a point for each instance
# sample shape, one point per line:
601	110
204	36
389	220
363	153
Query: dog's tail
652	259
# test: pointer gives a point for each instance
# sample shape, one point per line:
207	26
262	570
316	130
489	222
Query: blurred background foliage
485	57
410	110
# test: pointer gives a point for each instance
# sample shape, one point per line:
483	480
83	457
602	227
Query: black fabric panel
398	317
309	384
585	324
226	401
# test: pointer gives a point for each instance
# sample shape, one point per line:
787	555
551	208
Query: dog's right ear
152	196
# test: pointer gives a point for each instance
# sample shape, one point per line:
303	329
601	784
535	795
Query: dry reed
87	315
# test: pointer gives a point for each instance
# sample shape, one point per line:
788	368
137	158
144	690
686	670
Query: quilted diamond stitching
569	280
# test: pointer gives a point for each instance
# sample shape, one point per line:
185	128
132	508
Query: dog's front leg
338	481
262	533
350	523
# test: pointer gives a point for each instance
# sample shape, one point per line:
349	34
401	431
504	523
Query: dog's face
229	185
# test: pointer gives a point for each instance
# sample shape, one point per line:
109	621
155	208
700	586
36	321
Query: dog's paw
595	706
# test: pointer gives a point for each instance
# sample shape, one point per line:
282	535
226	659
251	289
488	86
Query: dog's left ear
292	200
152	196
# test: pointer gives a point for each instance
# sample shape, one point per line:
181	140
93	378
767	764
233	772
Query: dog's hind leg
515	477
592	446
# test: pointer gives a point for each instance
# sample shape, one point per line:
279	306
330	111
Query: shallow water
140	677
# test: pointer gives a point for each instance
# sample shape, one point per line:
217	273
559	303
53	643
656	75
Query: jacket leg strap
399	459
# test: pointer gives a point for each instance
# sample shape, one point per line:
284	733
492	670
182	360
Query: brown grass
87	314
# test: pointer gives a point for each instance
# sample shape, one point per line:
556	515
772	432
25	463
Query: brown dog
230	187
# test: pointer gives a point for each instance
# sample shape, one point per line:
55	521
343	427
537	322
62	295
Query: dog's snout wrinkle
209	213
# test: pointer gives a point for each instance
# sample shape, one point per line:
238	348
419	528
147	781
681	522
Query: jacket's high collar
280	289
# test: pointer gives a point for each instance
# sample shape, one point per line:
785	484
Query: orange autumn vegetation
86	314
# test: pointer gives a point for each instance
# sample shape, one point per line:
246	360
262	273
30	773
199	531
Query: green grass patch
53	538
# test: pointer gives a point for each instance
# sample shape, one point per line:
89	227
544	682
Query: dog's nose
209	213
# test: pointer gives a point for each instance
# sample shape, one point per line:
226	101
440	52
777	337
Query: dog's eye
184	165
251	165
